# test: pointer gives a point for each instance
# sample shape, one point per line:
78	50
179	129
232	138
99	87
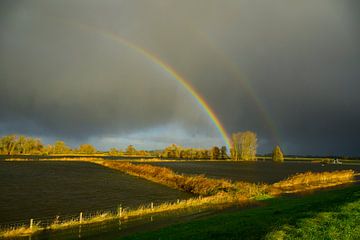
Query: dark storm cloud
301	60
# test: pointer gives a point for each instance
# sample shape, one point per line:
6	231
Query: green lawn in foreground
331	214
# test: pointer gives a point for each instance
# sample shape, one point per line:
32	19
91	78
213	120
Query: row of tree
175	151
131	151
16	145
244	146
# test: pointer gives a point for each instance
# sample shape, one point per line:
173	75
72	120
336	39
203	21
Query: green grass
330	214
340	223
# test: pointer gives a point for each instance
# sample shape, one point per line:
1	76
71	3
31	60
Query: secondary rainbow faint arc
172	72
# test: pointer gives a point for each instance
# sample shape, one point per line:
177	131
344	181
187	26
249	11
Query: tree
61	148
13	144
174	151
244	146
130	150
114	152
277	154
8	144
87	149
215	153
223	152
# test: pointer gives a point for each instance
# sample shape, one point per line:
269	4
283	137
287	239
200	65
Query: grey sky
300	60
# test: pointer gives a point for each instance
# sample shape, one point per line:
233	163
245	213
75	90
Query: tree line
18	145
244	147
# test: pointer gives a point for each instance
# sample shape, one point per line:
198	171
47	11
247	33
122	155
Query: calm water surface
47	189
260	171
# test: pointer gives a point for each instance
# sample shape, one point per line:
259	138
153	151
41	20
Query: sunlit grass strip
199	184
19	231
220	199
196	184
144	160
310	180
82	159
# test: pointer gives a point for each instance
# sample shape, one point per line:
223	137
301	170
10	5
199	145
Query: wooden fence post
120	211
152	206
31	223
81	217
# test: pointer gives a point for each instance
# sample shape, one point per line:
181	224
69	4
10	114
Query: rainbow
233	69
170	70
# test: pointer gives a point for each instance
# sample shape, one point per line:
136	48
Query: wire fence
45	222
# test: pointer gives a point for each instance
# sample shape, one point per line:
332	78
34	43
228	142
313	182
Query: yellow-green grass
340	222
328	214
196	184
309	180
199	184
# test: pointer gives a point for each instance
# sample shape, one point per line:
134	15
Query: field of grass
328	214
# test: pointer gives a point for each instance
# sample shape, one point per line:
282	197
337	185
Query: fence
69	220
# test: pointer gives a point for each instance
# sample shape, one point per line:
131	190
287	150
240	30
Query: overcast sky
287	70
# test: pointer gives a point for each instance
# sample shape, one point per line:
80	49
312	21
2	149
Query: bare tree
244	146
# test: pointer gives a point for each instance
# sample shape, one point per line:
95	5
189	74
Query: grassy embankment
328	214
199	184
212	192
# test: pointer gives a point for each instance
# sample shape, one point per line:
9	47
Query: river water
259	171
39	189
45	189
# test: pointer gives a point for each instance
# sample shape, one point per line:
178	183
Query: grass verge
328	214
309	181
220	199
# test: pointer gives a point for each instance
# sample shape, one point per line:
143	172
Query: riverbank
199	184
214	192
327	214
